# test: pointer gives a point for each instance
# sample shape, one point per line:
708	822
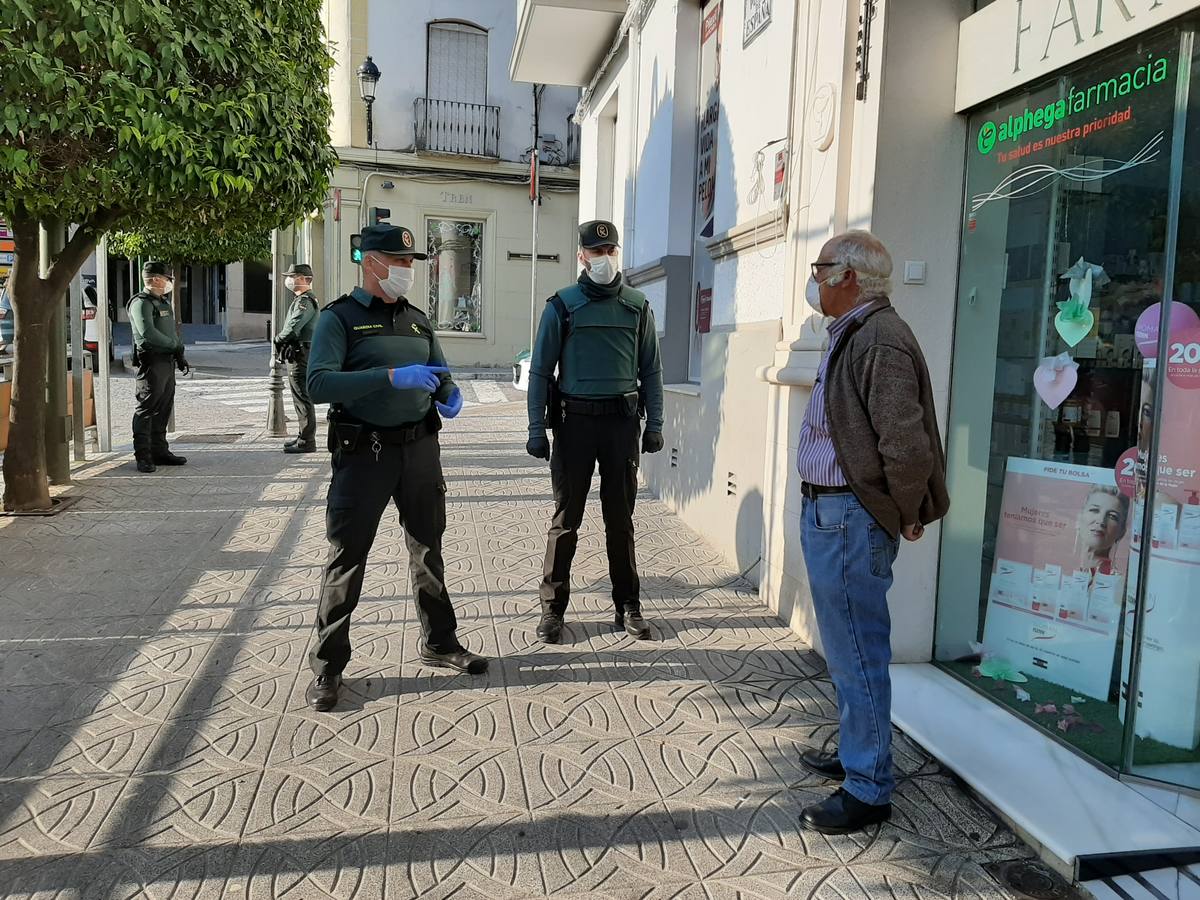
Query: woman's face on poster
1101	522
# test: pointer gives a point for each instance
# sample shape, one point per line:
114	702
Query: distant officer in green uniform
293	344
599	333
376	359
158	351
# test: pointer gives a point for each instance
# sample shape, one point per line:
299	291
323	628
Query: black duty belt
812	491
367	433
607	407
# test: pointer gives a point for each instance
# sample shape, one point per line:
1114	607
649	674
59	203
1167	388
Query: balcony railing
461	129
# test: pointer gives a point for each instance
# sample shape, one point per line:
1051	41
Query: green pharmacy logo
1078	101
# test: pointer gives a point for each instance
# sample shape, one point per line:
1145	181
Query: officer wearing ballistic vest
158	352
293	344
600	335
376	360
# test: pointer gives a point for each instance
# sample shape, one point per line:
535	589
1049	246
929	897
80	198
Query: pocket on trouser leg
883	551
829	512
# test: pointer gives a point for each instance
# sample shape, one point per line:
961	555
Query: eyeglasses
818	266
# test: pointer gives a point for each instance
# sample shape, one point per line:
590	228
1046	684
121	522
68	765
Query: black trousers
409	475
581	442
306	414
154	392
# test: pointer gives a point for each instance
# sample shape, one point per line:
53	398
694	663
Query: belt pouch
629	405
344	436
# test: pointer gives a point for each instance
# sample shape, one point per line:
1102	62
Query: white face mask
168	287
812	293
602	269
290	283
398	282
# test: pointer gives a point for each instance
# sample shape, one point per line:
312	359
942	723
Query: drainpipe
635	60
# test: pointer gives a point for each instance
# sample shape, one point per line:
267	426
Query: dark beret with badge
598	233
394	240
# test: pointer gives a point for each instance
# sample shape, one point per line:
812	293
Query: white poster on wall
1058	581
710	93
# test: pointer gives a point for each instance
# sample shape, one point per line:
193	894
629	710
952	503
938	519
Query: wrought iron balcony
461	129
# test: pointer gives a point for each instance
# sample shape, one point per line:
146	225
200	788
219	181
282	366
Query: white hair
866	255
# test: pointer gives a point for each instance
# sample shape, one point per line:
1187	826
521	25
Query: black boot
843	813
549	630
631	620
169	459
300	447
146	465
826	765
462	660
322	694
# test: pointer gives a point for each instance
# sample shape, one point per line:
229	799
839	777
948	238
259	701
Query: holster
554	410
630	403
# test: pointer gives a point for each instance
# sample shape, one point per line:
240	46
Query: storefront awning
563	41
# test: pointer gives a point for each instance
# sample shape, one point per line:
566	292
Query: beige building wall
506	215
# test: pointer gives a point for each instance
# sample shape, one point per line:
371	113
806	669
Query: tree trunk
25	485
26	488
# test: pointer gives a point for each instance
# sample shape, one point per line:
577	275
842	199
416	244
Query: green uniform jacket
153	323
357	340
613	350
302	319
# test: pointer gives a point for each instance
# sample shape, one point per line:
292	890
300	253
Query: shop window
455	250
1069	269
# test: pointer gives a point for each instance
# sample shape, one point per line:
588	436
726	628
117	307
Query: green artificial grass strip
1104	746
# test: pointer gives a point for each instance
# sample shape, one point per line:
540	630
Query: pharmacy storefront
1069	588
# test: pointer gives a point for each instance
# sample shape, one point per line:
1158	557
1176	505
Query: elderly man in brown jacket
873	471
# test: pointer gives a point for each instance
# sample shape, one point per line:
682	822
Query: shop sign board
1058	582
757	18
703	310
1009	43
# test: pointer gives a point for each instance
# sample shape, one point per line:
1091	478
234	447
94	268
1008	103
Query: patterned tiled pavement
154	740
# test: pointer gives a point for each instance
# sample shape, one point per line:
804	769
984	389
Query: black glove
652	442
181	362
538	447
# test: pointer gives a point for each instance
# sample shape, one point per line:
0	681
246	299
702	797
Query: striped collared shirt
816	459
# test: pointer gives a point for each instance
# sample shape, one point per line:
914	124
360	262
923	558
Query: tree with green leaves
154	118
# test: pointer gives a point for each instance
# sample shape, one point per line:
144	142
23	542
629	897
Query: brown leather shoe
322	694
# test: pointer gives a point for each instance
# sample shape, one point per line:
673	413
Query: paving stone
157	740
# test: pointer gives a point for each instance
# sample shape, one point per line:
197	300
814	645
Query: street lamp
368	77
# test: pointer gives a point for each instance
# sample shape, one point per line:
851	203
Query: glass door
1160	667
1068	265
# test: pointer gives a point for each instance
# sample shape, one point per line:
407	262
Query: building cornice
758	232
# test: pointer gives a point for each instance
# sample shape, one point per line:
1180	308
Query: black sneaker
843	813
549	630
633	624
322	694
170	459
461	660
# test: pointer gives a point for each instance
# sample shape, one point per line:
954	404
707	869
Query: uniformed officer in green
294	343
599	333
376	359
158	351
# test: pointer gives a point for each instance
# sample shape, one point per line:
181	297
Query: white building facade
448	157
729	139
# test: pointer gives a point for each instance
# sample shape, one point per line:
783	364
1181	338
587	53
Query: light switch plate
914	271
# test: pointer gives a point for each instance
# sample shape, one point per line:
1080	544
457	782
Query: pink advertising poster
1058	582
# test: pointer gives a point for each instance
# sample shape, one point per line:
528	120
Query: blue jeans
849	559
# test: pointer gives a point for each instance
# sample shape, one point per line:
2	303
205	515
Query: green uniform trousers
580	442
409	475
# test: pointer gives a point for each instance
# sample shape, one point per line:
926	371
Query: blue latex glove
453	405
423	378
